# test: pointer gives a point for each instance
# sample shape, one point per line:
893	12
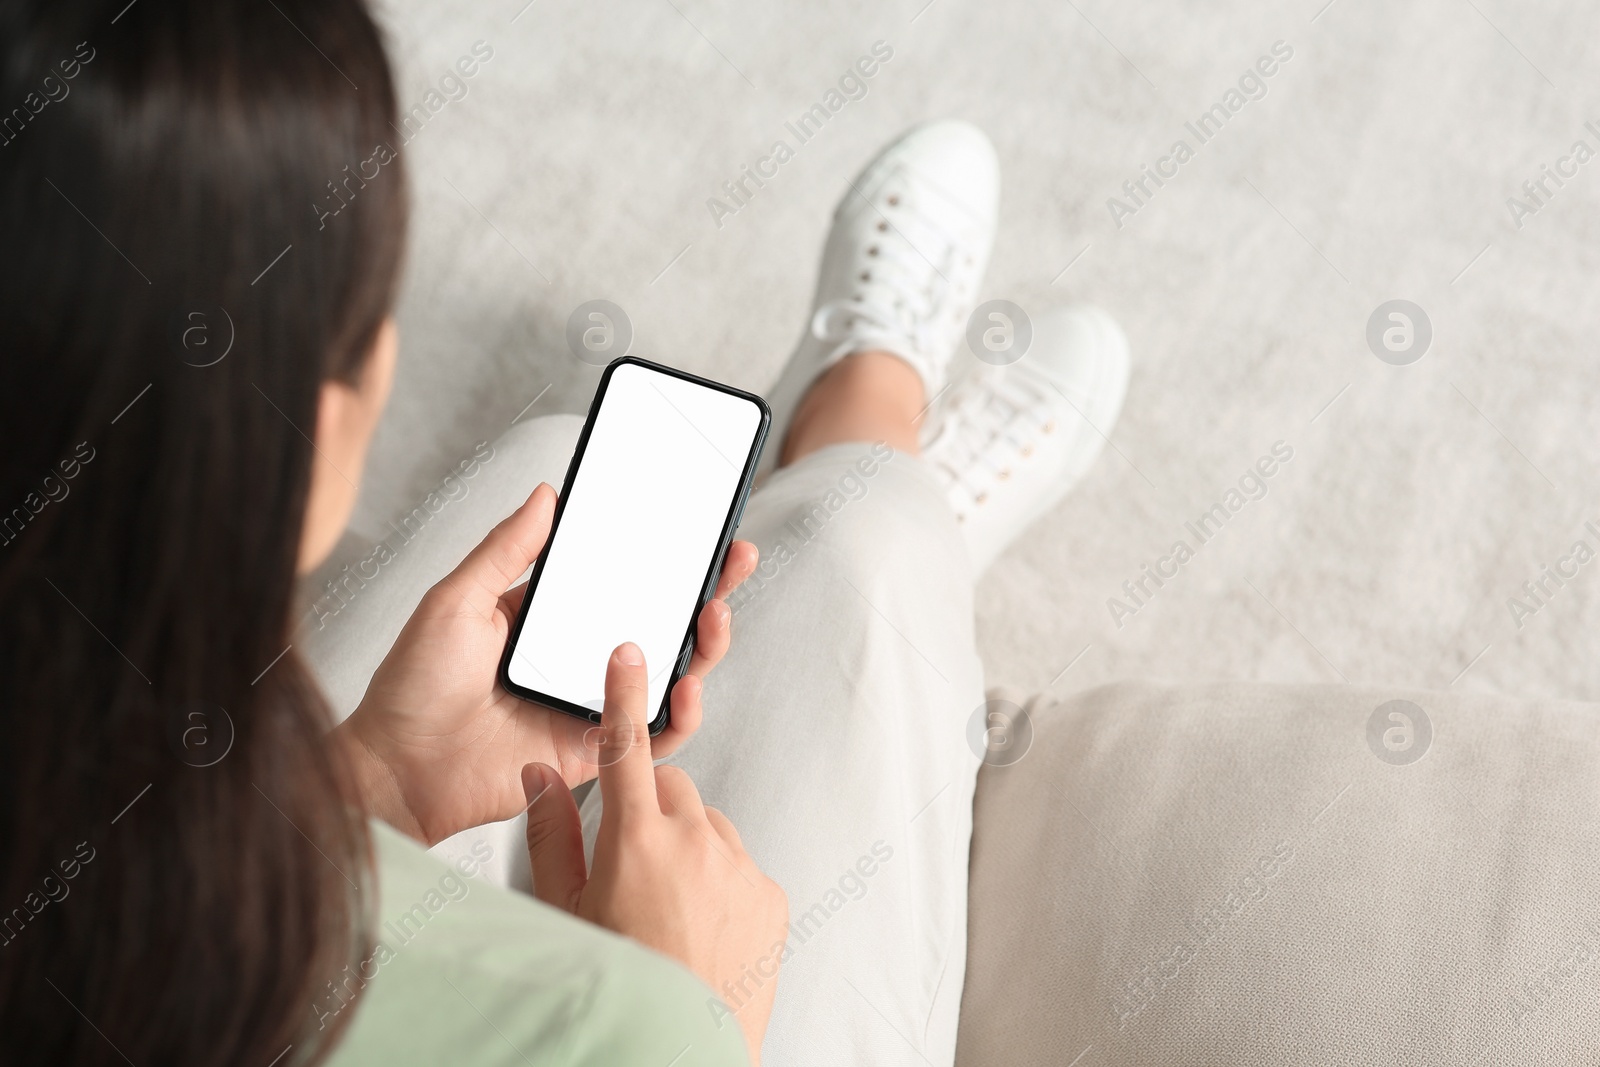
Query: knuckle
635	837
539	833
685	785
431	599
626	694
620	736
702	859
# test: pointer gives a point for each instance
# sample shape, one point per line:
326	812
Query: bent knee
870	517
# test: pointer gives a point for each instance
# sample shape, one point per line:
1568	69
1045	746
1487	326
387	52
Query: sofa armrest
1252	874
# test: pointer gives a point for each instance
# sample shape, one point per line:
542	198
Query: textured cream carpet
1377	165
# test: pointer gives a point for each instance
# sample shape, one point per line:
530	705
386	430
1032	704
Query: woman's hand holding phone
438	746
668	871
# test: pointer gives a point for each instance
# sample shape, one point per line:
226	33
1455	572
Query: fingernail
628	655
724	613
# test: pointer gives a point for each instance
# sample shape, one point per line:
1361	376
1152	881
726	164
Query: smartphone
651	499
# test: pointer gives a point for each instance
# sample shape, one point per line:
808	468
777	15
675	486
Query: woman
195	359
198	349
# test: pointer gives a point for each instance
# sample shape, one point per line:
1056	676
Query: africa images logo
1399	332
1399	732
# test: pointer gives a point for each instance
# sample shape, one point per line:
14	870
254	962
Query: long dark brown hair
181	858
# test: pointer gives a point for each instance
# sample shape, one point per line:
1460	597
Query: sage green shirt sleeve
468	973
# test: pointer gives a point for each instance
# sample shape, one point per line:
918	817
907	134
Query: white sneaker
1007	443
901	268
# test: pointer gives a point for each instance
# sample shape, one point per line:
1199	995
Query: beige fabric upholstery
1229	874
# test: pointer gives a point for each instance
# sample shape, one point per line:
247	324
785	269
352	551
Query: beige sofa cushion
1248	874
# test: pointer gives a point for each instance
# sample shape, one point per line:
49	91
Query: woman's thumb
555	838
501	557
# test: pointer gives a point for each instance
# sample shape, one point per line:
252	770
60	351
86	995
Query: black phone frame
663	716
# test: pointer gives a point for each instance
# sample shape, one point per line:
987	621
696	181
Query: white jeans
835	733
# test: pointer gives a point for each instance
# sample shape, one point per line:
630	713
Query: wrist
376	783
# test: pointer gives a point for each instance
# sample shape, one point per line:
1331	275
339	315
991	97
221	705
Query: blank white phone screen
643	519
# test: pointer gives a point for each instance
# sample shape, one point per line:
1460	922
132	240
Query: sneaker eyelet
872	251
1050	427
981	497
1027	450
882	226
1005	475
894	199
866	275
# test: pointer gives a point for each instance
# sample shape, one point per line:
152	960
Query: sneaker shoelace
914	263
992	421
